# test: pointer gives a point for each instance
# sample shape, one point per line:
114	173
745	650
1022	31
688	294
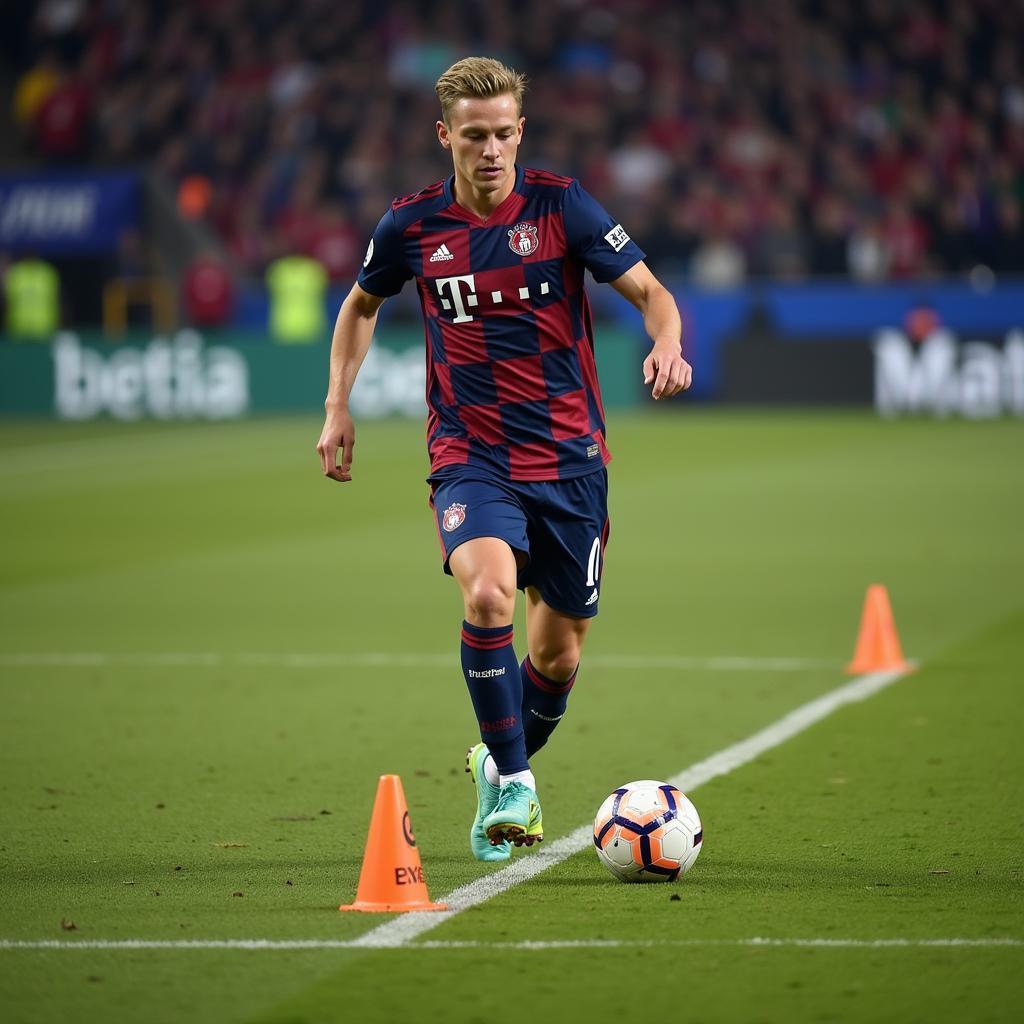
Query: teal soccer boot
517	816
486	801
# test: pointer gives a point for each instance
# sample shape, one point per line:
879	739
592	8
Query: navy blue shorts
560	527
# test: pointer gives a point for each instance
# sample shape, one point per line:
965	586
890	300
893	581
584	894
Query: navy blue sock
544	702
491	669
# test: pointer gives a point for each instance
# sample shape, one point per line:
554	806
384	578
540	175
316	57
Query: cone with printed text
391	879
878	644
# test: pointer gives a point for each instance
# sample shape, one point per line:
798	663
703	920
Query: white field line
303	944
406	927
403	929
384	659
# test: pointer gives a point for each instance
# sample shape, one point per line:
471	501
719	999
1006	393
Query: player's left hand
668	369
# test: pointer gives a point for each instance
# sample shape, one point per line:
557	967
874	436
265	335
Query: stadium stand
879	140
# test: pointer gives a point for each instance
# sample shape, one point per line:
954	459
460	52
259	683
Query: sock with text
491	669
544	702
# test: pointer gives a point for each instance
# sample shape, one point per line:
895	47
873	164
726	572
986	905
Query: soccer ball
647	831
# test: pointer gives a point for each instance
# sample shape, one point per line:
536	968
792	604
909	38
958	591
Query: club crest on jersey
454	516
522	239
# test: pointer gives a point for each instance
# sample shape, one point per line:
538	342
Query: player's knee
556	662
489	602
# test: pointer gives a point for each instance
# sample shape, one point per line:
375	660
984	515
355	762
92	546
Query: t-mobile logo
453	296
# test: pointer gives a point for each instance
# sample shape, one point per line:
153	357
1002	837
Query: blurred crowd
880	140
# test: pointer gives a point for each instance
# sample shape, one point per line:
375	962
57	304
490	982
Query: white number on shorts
594	563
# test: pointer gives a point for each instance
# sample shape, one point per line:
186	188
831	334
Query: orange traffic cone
878	645
391	879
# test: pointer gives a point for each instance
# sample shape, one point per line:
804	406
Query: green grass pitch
193	724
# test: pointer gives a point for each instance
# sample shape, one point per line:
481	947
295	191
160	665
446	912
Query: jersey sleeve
593	237
384	268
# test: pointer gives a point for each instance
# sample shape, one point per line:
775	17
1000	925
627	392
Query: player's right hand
339	433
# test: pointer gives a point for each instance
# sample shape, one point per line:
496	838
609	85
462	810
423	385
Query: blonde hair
478	78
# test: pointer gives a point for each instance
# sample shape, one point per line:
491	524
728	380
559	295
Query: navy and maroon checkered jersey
511	379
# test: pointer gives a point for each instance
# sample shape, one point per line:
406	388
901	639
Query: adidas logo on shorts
441	254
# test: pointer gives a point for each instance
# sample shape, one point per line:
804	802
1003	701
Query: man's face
483	137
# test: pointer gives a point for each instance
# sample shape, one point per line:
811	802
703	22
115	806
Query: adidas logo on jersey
441	254
592	599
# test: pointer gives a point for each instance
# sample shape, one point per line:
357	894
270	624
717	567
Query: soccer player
515	430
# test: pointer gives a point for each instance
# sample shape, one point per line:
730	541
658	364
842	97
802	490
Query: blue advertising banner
810	317
66	214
